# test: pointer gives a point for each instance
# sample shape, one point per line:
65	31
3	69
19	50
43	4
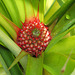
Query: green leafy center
36	32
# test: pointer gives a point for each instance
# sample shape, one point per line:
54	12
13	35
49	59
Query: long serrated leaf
65	22
1	43
29	12
5	33
3	30
41	10
4	65
21	9
67	43
44	5
12	46
55	6
35	4
3	10
13	11
8	25
47	5
8	59
63	28
38	5
22	54
59	13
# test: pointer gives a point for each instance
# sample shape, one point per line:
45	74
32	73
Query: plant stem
34	66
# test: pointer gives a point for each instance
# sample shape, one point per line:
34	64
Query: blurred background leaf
56	61
6	60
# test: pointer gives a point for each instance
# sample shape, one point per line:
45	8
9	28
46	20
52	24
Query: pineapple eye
36	32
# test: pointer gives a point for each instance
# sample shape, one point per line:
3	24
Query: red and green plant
40	34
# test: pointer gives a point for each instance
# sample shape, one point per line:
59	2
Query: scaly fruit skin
33	37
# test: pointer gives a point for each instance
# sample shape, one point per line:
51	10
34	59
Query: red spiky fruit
33	37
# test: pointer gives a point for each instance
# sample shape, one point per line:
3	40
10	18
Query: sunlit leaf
64	46
13	11
47	5
56	62
49	69
62	24
2	71
46	72
8	25
29	12
3	10
55	6
41	10
21	9
35	4
59	12
73	73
